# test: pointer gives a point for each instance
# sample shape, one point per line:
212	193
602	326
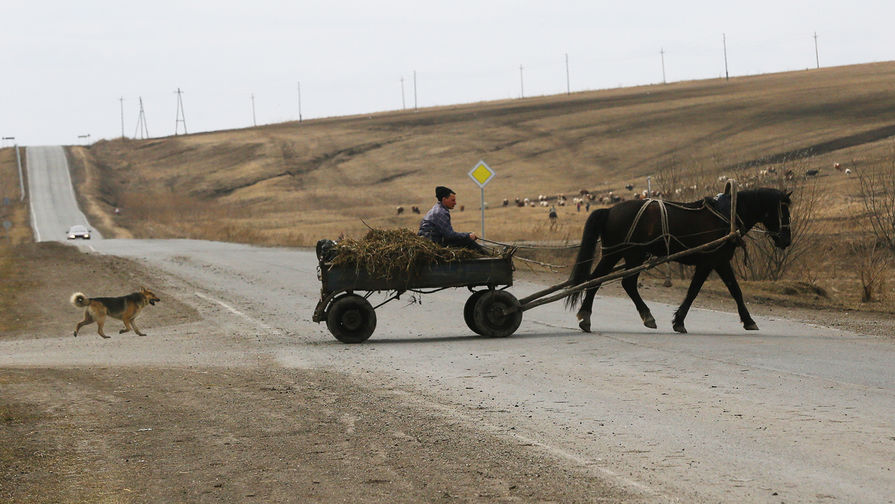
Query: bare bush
688	184
873	260
877	195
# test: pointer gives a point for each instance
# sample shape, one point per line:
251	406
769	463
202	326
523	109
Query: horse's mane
759	196
764	195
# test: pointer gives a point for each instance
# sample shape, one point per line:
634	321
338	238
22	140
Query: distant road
54	207
793	412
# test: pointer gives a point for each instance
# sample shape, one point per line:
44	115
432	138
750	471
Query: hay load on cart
399	261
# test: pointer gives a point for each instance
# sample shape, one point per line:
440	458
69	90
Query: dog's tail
80	300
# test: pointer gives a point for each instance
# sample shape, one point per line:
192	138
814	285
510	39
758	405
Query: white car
78	231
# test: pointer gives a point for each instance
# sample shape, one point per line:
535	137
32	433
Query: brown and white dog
124	308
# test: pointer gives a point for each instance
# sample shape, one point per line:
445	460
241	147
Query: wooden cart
350	317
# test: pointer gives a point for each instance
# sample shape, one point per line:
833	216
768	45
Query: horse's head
776	220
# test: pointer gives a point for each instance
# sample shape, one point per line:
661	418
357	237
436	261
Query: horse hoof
584	325
750	326
650	322
680	328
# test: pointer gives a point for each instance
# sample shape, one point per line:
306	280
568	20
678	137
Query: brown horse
637	229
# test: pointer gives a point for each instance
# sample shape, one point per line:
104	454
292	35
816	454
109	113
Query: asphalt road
791	413
54	208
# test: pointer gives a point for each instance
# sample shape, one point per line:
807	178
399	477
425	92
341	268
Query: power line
254	123
662	54
816	57
299	101
724	40
568	86
403	103
180	116
142	130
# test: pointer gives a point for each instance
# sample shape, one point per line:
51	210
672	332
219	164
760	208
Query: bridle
780	225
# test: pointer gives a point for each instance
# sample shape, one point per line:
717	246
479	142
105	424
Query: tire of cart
469	310
351	318
495	313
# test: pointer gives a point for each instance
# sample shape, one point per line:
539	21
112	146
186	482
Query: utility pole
254	123
414	91
816	57
662	53
724	40
403	103
299	101
521	84
122	116
141	123
180	116
568	86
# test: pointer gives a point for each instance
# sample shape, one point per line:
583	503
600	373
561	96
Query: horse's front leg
725	271
699	276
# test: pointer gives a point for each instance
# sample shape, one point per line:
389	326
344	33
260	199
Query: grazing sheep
848	171
400	210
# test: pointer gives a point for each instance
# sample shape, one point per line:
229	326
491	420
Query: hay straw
384	253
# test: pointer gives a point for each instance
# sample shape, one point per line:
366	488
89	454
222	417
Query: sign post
481	174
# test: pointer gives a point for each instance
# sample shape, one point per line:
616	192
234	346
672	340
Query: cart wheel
489	314
351	319
469	310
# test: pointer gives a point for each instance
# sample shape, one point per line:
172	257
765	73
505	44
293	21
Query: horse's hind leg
725	271
699	276
630	285
603	267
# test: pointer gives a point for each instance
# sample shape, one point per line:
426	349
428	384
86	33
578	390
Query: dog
123	308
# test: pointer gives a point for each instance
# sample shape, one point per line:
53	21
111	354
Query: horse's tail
593	229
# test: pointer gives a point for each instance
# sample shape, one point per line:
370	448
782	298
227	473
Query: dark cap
442	192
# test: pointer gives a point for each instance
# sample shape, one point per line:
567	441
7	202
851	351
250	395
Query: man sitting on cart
436	225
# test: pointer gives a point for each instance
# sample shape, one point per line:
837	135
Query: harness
663	212
733	219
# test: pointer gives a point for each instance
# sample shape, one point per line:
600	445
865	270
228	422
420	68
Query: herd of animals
588	197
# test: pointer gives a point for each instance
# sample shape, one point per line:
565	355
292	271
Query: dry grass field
294	183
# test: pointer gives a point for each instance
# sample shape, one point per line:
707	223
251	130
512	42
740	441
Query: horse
634	230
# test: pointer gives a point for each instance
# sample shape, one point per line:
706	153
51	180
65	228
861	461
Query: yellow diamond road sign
481	173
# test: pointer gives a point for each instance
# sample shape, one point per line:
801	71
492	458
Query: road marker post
481	174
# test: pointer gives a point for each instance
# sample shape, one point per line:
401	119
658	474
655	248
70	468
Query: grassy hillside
294	183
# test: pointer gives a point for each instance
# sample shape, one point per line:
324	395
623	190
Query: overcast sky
66	64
